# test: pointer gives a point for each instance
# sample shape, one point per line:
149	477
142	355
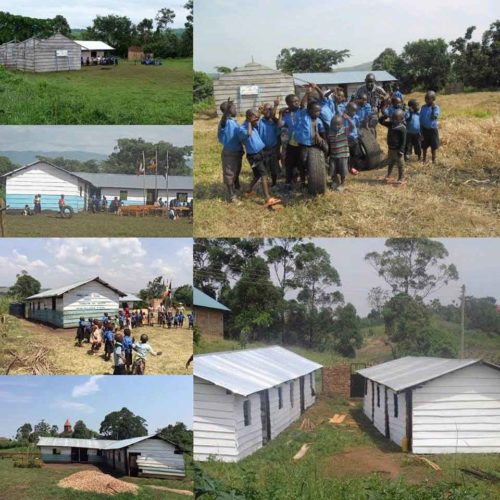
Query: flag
152	165
168	291
140	170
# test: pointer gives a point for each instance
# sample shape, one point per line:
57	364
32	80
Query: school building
94	48
349	81
62	307
147	456
208	314
50	181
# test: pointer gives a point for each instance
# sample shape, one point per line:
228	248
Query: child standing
96	337
119	355
108	341
364	110
288	118
413	134
128	343
339	153
351	124
232	151
429	115
269	132
142	349
254	146
396	141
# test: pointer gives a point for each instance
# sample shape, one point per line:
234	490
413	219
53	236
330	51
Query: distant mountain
25	157
367	66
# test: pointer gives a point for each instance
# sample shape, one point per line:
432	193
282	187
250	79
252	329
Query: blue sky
476	260
126	263
229	33
91	138
161	400
80	14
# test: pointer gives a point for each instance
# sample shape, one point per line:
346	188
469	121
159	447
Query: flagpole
144	178
166	178
156	176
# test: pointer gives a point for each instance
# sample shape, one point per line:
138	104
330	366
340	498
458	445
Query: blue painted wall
49	201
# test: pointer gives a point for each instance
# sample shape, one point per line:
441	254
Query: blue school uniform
352	130
429	117
303	131
127	343
253	143
398	93
412	122
269	132
327	111
290	121
341	107
364	112
228	135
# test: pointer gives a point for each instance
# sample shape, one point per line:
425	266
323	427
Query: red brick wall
210	322
337	381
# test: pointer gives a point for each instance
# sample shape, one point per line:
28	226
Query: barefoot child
232	151
254	147
396	141
339	153
429	115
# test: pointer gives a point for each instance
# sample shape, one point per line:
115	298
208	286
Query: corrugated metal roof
341	77
136	181
252	370
130	297
56	292
96	444
93	45
403	373
127	442
201	299
46	163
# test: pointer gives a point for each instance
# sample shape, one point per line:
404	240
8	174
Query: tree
294	60
123	424
347	335
184	294
114	30
187	35
481	313
203	86
145	30
164	17
23	433
315	276
178	434
25	286
154	290
425	63
81	431
377	297
6	165
387	60
42	429
54	431
223	69
413	266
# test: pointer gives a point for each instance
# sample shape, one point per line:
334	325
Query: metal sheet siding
249	438
214	428
158	458
397	426
458	412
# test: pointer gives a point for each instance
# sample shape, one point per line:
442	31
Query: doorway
302	397
132	464
150	196
265	416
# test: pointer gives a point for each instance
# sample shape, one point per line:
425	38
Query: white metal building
437	405
147	456
243	399
94	48
63	307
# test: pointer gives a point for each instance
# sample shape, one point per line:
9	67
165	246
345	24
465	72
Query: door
302	398
265	416
74	455
150	196
357	381
132	464
84	455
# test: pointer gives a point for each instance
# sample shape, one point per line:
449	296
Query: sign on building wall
249	90
61	53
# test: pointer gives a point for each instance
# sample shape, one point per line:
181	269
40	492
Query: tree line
125	159
117	425
288	291
153	35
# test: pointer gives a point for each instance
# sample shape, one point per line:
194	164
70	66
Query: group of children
328	121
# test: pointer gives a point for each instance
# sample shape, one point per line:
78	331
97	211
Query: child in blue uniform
364	110
429	115
288	118
232	151
413	133
269	132
254	147
351	125
108	341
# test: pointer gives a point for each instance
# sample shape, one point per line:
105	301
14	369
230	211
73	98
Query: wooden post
462	323
2	210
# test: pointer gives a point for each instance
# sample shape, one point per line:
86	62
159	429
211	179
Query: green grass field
36	484
93	225
127	94
458	197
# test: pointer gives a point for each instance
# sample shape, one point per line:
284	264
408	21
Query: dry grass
458	197
65	358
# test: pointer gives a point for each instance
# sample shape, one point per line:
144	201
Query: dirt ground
64	357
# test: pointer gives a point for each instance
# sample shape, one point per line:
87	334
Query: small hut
62	307
135	53
252	85
208	314
56	53
8	53
94	48
243	399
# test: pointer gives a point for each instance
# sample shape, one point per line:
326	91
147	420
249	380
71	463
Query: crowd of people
281	139
99	61
115	335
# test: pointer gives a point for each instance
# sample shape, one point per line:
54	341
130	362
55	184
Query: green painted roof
201	299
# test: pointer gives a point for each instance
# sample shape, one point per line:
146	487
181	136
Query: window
366	386
311	383
182	197
55	451
246	413
178	451
292	394
396	408
280	398
38	305
123	195
378	396
53	303
119	456
99	453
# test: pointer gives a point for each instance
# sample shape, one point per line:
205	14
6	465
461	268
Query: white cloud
71	405
88	387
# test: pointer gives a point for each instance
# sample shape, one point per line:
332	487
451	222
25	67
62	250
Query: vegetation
294	60
458	197
25	286
19	28
123	424
126	94
184	294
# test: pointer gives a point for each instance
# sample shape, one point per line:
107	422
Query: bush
203	86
